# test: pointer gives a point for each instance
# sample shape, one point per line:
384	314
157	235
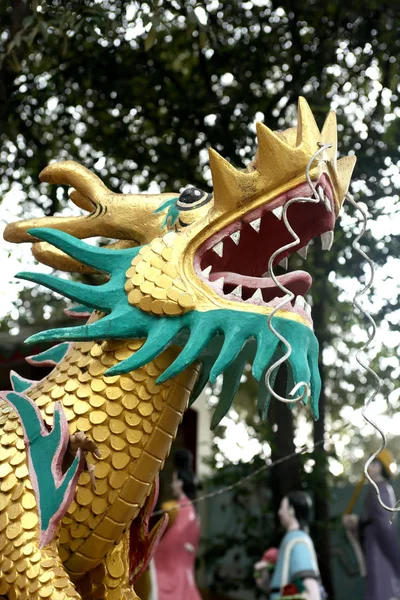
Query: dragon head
201	278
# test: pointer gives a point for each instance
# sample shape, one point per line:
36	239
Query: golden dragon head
202	265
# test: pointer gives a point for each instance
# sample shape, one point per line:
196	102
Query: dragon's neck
131	419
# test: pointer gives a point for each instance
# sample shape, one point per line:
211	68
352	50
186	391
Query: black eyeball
192	198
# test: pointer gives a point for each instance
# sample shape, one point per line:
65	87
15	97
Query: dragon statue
185	298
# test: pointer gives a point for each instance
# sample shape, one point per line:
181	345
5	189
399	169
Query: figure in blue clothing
296	571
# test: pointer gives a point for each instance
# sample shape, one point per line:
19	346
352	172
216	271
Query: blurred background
138	91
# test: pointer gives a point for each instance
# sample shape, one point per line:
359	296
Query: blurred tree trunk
321	529
284	477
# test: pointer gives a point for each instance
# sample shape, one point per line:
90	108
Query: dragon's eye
192	198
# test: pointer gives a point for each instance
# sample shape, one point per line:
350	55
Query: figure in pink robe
175	556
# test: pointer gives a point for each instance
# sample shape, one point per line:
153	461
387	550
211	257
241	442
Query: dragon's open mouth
234	261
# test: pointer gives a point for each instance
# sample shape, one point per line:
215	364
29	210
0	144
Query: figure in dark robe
378	536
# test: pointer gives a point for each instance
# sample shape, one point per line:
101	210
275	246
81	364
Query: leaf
150	39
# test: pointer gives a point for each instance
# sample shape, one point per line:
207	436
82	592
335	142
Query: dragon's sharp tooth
300	302
321	194
206	271
256	224
237	291
284	263
328	205
307	309
256	296
303	251
219	248
235	236
278	212
219	283
327	240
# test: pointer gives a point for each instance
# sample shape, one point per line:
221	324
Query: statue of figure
175	556
296	571
378	536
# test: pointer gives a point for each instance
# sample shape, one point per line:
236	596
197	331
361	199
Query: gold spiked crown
282	158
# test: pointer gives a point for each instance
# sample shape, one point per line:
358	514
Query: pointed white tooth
300	302
235	236
237	291
278	212
328	204
303	252
321	194
284	263
256	296
219	283
307	309
327	240
219	248
256	224
206	271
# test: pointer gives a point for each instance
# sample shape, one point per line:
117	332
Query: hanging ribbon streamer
289	295
371	335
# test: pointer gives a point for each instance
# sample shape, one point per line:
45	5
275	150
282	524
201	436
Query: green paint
172	214
54	354
20	384
219	339
51	488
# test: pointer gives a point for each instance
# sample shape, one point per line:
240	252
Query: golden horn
307	128
226	192
70	173
329	136
345	167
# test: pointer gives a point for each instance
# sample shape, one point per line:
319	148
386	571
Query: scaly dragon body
181	305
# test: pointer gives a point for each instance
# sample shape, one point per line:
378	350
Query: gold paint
83	391
130	401
127	383
120	460
79	531
102	469
132	419
134	436
97	417
97	401
99	506
143	393
3	520
117	443
117	479
83	424
81	407
14	510
45	576
14	529
84	496
114	409
113	393
148	427
46	592
135	452
22	471
96	368
115	567
8	483
5	469
145	408
117	426
69	399
29	520
96	351
97	385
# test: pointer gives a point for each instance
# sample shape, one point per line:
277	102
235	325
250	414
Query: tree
138	92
